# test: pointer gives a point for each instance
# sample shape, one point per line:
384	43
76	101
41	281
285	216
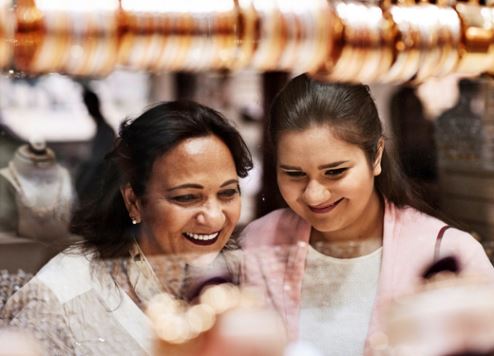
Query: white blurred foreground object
226	321
301	348
15	342
448	316
434	104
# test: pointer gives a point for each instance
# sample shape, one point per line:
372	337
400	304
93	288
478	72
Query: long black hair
104	222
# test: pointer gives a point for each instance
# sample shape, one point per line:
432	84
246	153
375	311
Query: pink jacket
276	247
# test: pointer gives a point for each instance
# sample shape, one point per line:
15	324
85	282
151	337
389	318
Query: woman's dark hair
349	110
104	222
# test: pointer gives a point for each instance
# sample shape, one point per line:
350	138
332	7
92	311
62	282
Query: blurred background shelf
26	254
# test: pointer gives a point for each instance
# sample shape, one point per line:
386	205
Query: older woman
167	206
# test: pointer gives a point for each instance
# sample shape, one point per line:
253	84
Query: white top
337	300
74	307
79	305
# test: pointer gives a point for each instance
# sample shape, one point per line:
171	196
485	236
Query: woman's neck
362	237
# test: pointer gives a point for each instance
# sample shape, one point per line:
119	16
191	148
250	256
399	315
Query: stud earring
134	220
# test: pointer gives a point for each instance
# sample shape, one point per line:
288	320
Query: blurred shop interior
72	71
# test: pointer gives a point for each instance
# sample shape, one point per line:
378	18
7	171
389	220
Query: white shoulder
67	275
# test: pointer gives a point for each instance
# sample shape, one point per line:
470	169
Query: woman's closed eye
294	174
335	172
229	193
186	198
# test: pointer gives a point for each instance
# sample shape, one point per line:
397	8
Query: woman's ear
376	167
132	203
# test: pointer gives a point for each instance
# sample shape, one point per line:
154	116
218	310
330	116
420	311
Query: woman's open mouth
202	239
326	208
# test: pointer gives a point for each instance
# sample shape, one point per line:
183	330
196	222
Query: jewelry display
379	54
32	203
430	30
367	36
133	49
450	39
288	29
247	34
269	45
412	45
477	51
70	38
179	36
351	41
6	32
43	193
101	58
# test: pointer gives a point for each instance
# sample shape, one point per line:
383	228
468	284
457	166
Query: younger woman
355	235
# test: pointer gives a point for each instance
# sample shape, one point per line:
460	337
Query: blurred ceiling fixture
350	41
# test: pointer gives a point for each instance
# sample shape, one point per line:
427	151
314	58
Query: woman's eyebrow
332	164
184	186
291	168
324	166
228	182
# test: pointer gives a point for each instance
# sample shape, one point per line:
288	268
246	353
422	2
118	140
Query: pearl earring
134	220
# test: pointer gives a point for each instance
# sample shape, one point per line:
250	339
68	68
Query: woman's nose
211	215
316	193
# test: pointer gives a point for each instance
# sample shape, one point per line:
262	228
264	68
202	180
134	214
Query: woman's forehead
194	159
313	135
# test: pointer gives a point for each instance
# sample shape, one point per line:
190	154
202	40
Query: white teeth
201	236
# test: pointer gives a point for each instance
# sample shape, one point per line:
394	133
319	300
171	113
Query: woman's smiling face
192	202
325	180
